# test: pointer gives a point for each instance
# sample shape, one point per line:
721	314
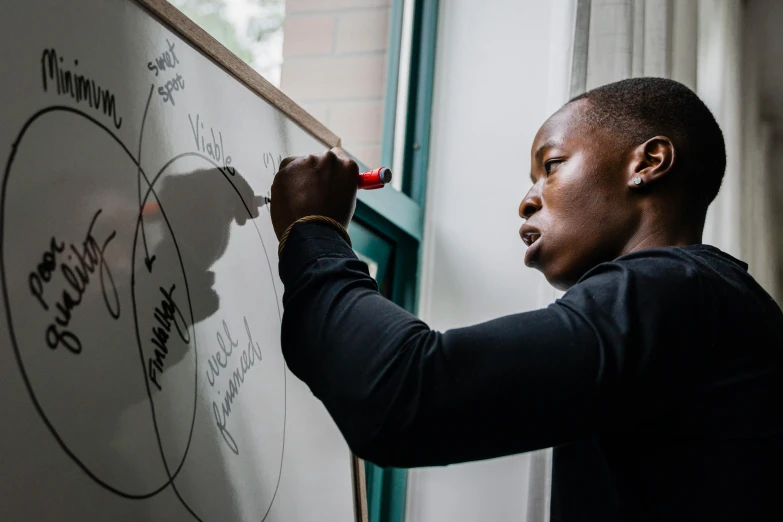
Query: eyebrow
548	144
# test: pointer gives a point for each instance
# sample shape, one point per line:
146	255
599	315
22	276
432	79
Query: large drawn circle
108	431
260	434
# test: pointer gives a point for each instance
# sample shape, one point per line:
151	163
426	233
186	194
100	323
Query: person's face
579	211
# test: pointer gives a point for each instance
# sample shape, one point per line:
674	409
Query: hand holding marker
370	180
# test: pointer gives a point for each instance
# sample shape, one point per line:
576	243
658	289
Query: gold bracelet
309	219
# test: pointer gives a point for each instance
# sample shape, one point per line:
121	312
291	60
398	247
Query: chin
561	285
561	279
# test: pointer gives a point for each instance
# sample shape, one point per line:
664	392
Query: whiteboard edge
361	513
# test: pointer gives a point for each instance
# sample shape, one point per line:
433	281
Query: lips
531	236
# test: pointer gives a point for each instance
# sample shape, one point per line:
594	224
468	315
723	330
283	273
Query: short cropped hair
638	109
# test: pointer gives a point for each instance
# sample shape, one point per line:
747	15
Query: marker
370	180
375	179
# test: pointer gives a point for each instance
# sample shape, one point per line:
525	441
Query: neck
662	232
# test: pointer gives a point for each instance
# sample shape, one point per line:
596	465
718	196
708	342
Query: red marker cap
375	179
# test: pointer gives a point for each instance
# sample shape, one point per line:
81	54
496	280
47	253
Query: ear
650	162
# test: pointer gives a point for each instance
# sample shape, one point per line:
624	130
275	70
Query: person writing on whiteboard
654	376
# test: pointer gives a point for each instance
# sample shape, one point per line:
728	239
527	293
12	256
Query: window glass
329	56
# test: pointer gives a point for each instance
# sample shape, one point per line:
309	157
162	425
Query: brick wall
334	65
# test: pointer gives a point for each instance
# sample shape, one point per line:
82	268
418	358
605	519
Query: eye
551	165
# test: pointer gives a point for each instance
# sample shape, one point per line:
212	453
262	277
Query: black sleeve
405	395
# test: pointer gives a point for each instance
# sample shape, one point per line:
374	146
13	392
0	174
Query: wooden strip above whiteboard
202	40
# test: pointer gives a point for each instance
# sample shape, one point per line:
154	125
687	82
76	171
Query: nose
531	203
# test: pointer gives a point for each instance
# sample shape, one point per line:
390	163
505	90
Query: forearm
405	395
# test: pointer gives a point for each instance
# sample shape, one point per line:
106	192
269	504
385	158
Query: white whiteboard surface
142	373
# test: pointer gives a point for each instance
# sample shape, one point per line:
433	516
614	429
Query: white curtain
760	237
701	44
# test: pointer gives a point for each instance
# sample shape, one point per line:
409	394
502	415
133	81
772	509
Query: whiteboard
142	372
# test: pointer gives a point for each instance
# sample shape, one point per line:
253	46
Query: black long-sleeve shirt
657	378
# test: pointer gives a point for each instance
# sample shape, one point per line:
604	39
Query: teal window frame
398	216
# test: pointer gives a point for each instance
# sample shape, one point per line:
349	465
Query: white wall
497	79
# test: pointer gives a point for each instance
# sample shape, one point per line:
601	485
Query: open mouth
530	237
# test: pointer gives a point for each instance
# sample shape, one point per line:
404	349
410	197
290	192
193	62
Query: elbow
386	446
366	439
379	453
394	455
368	436
386	423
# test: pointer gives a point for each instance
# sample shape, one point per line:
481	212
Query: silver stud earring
637	180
